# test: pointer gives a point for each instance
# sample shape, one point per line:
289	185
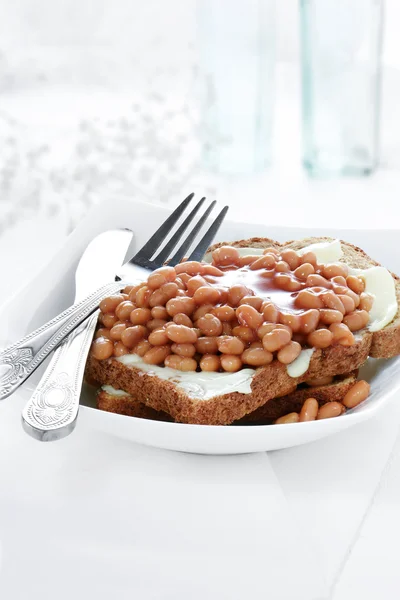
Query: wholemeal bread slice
275	408
268	382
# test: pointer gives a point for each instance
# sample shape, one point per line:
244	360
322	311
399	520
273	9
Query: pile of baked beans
311	411
188	318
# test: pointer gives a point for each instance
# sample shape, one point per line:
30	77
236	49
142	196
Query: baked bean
205	309
342	334
180	284
142	347
127	289
266	261
212	270
224	313
356	284
320	338
270	313
156	324
225	256
175	306
103	332
209	325
124	309
245	333
116	331
307	299
356	320
357	394
249	316
186	350
120	349
329	410
271	250
339	289
194	283
108	320
366	301
180	334
132	335
328	316
237	292
230	345
290	418
159	312
140	316
339	280
354	296
126	296
291	258
265	328
190	267
161	276
182	319
309	410
257	356
156	355
277	339
102	348
143	297
227	328
184	277
247	260
157	298
309	257
319	381
158	337
182	363
289	353
267	273
206	295
210	362
207	345
170	290
253	301
309	320
109	304
332	302
335	270
303	271
300	338
134	291
282	267
292	321
348	303
210	279
287	283
315	279
230	363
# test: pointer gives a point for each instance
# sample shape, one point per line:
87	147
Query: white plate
52	290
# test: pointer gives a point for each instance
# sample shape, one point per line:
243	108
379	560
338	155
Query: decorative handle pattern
17	362
52	410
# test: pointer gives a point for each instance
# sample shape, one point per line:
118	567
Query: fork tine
166	251
147	251
208	237
180	253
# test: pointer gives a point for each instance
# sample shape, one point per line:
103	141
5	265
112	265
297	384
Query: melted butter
300	365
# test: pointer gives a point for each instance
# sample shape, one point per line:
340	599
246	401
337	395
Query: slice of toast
275	408
268	382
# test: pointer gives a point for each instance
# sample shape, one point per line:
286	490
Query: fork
18	361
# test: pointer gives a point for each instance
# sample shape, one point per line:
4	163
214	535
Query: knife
52	411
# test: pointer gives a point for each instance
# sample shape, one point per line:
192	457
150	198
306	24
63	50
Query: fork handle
52	410
18	361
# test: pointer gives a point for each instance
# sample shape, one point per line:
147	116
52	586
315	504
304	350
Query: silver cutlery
17	362
52	410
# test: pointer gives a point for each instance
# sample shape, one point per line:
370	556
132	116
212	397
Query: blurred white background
99	98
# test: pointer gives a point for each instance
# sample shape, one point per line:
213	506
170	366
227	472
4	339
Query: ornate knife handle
52	410
17	362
